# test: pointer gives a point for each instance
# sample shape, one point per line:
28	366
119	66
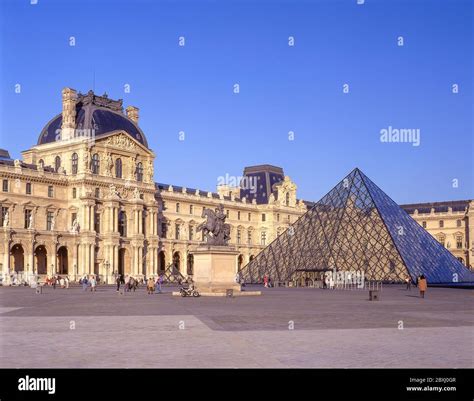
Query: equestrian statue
215	230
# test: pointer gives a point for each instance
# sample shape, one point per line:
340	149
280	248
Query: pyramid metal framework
357	227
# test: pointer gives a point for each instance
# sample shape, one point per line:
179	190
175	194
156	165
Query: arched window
57	163
122	222
190	269
442	239
74	161
118	168
140	172
95	164
41	163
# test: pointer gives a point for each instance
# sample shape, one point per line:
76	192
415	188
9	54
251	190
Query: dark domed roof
93	113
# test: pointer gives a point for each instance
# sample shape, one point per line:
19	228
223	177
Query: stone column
74	262
6	257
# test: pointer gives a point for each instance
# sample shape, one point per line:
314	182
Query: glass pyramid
357	227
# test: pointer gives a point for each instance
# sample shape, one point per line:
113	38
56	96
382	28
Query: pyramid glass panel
357	227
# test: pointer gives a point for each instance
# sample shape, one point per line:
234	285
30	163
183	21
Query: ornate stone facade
80	204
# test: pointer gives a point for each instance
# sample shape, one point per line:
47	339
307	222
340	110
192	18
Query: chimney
69	113
132	113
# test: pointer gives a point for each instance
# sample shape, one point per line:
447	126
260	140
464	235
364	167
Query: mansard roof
98	113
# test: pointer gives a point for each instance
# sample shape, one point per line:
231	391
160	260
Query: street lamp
107	266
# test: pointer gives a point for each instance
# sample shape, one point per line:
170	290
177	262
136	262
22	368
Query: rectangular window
50	191
423	223
74	193
191	209
5	185
191	233
264	217
459	223
239	236
238	215
27	218
278	216
250	216
249	237
441	224
459	242
164	229
97	192
97	223
49	221
3	213
177	208
163	205
73	218
227	213
28	188
177	231
263	238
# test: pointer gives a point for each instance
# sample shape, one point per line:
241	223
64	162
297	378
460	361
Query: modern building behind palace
84	200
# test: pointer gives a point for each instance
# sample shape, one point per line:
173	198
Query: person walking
265	280
150	286
93	282
422	285
158	284
408	281
84	283
118	281
66	282
55	281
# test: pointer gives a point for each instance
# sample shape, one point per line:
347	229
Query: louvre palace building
85	200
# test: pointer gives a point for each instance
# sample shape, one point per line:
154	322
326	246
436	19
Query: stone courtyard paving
331	328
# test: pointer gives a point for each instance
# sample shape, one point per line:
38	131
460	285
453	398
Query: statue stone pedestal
215	268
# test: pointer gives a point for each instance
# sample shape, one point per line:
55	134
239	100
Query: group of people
421	283
267	281
130	283
63	282
88	282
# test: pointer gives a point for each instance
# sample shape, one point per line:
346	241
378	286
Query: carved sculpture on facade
121	141
131	167
75	226
136	193
85	161
215	230
31	222
113	194
108	164
149	171
6	219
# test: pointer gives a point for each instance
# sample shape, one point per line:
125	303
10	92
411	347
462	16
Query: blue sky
282	88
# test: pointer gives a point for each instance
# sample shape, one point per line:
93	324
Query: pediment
122	141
